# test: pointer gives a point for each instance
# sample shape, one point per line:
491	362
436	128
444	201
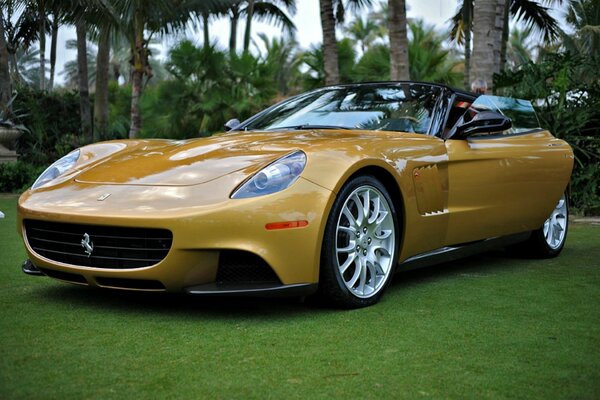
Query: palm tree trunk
53	43
398	40
5	86
205	28
248	32
505	35
468	26
235	16
42	20
82	73
101	97
488	22
137	76
330	50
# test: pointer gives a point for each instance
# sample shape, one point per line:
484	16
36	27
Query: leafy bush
52	119
17	176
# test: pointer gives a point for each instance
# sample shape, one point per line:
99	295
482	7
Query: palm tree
429	60
584	16
283	57
141	20
70	71
329	19
82	75
363	32
269	11
330	59
531	12
487	32
313	61
399	67
5	84
519	49
462	26
20	34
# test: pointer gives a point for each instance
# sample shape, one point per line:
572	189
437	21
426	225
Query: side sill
259	290
456	252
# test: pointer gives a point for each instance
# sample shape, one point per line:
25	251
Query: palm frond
536	16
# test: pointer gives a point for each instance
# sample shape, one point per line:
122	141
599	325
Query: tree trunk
488	21
235	16
468	26
330	50
53	43
505	35
42	20
101	97
82	73
137	76
249	17
398	40
5	84
205	28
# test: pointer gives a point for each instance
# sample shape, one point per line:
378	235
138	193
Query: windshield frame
436	118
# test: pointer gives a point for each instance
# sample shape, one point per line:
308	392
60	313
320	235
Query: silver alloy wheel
555	227
365	241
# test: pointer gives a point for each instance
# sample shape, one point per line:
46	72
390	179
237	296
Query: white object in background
1	215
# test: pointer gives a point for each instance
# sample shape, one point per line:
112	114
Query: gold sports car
330	191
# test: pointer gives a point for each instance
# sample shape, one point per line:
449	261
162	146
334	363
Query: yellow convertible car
330	191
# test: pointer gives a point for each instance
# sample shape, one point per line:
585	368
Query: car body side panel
504	184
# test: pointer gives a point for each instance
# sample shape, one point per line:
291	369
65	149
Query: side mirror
483	122
232	124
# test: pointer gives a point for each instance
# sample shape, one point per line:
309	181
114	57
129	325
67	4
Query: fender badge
103	197
87	244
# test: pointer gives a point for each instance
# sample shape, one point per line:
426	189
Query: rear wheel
360	244
549	240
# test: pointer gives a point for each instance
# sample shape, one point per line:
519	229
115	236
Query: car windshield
386	107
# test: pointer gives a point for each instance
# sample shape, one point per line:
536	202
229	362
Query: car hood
196	161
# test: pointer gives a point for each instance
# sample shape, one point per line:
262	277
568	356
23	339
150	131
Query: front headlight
274	177
57	169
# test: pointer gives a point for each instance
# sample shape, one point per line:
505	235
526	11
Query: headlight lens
274	177
57	169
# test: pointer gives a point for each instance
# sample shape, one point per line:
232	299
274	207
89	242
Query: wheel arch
392	185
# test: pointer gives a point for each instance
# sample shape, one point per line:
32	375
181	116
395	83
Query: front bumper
203	226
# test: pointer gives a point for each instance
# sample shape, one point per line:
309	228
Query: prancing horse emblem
87	245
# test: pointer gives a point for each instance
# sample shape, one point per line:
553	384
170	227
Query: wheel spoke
349	261
376	208
363	276
348	229
366	204
350	248
349	216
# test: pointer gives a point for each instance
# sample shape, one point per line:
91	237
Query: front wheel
360	244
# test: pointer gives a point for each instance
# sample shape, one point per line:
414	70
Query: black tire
538	246
333	287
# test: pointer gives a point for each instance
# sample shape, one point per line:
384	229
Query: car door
506	182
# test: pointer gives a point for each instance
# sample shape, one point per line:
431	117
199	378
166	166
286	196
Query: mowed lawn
490	326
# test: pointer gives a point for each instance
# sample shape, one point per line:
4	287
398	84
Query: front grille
243	267
113	247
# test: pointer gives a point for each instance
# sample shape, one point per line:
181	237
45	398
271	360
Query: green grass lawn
491	326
